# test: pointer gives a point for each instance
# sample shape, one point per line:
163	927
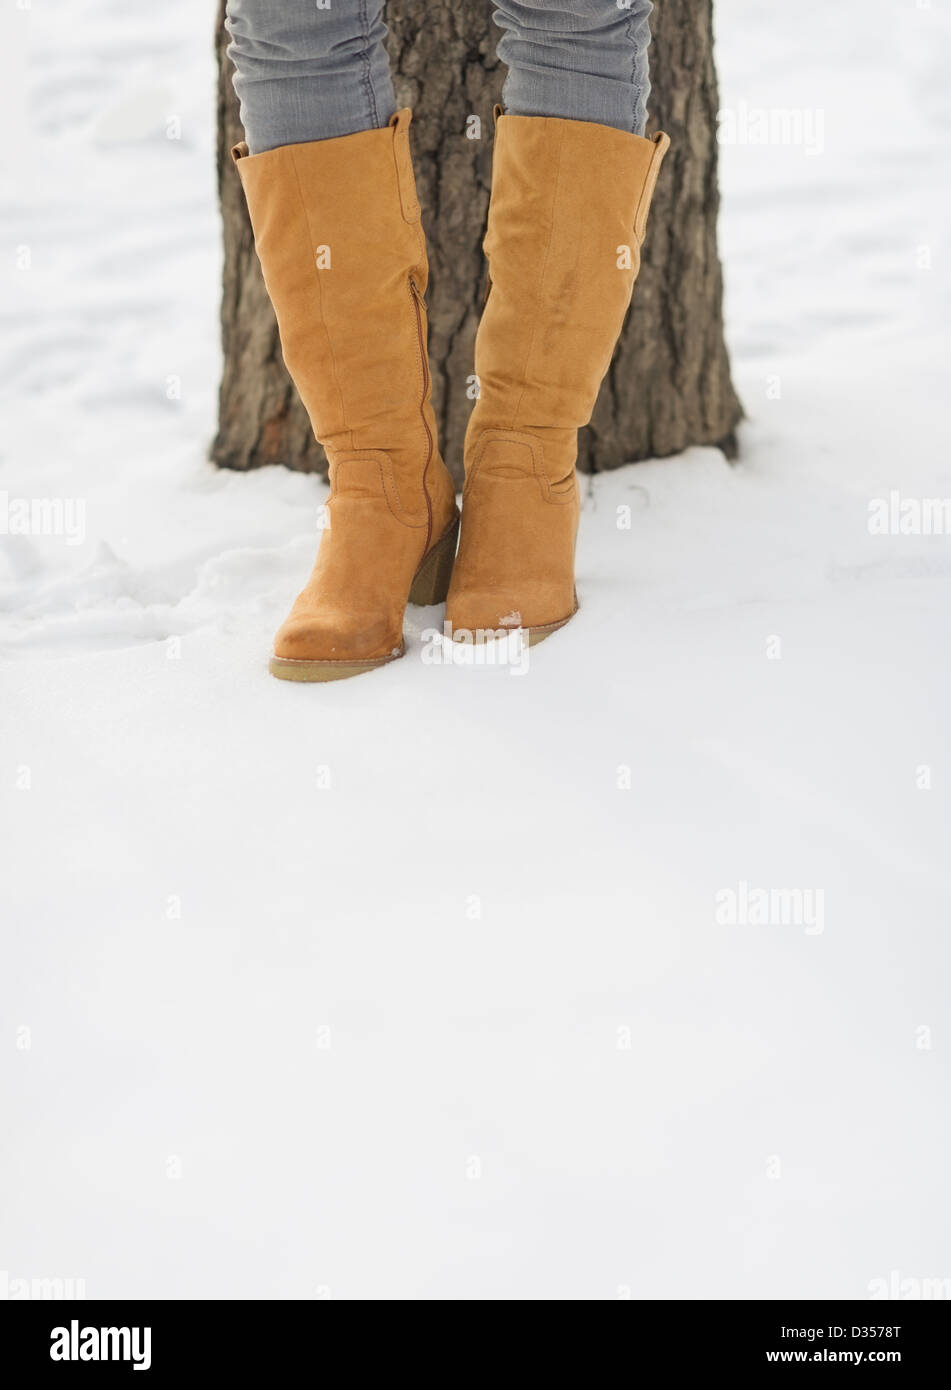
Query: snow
416	985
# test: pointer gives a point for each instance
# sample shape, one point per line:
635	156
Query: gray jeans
313	69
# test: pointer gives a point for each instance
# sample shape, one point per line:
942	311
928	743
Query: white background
463	1023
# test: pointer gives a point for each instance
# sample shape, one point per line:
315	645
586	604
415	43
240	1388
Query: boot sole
534	635
288	669
430	585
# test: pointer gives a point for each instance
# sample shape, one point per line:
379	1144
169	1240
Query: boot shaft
338	233
566	222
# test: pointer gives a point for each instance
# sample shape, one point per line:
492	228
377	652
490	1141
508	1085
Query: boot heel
431	584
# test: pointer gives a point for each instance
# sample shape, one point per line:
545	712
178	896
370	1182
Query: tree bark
669	383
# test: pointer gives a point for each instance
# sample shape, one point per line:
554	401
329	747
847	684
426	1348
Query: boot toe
474	613
319	638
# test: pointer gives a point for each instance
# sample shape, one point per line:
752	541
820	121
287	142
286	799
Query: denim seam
634	61
367	80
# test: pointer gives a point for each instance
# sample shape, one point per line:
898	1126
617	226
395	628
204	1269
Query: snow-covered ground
444	982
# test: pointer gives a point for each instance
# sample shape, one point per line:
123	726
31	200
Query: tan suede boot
566	222
338	234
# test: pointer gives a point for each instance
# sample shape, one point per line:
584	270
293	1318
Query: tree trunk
669	383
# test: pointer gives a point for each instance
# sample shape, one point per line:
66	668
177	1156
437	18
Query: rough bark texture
669	384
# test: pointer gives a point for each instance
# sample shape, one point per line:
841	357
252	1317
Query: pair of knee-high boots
338	233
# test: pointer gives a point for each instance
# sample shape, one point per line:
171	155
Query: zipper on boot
424	362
